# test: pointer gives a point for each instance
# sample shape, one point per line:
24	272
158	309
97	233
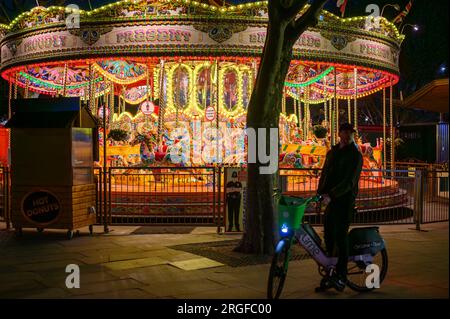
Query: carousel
163	74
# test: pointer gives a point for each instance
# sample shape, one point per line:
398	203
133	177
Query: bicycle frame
317	253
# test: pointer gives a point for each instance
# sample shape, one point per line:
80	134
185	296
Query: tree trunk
264	112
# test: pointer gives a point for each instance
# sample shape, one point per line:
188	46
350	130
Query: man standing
339	185
234	188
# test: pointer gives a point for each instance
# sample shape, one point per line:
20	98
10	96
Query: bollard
418	197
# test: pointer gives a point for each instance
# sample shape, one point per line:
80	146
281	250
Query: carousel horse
146	150
369	162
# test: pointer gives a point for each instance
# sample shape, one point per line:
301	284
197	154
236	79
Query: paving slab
135	263
195	264
174	288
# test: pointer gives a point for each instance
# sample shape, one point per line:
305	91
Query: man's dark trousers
338	216
233	211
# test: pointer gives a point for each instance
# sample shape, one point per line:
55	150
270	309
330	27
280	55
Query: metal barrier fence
195	195
385	196
413	166
5	212
160	195
435	200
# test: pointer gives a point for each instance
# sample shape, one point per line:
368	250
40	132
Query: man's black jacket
340	174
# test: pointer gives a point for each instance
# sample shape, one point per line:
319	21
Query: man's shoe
331	282
230	229
238	229
325	284
337	283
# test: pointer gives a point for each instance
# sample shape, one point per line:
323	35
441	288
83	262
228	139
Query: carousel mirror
203	87
230	89
180	85
246	89
345	81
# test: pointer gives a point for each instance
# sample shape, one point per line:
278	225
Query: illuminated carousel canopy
123	42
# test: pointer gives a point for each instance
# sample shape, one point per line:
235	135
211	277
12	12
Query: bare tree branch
306	20
292	8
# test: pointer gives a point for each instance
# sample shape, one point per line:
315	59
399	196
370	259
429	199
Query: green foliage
118	135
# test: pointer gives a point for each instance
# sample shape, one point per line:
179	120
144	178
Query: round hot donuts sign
41	207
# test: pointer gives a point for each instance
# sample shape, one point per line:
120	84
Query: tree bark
264	112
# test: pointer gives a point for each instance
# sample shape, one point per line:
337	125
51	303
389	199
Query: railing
385	196
195	195
5	211
412	166
435	197
160	195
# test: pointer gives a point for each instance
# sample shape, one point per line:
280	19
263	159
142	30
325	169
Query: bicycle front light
284	229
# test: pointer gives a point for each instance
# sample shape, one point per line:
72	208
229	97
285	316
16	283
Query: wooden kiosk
53	144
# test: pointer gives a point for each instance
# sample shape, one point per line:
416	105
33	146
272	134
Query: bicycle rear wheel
356	276
278	269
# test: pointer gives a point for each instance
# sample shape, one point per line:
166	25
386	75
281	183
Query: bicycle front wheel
278	269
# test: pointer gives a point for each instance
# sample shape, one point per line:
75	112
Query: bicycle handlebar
314	199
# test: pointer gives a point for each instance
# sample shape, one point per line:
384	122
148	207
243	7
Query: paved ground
120	265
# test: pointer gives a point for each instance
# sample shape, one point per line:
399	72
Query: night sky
423	55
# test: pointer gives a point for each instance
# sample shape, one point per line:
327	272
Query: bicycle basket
291	211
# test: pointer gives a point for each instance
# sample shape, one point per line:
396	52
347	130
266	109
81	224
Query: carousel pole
7	211
152	85
333	110
91	88
217	109
105	96
391	122
94	95
349	110
355	120
10	95
299	111
15	85
325	102
27	83
218	167
97	102
337	117
295	108
178	98
307	113
86	94
123	106
384	129
161	101
283	102
330	117
105	169
302	116
111	101
148	88
255	70
65	80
